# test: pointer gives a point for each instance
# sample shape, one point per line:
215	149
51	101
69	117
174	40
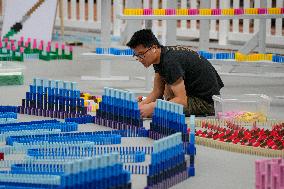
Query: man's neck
158	59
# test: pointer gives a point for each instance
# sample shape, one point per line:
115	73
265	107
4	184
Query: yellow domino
181	11
126	12
139	12
227	11
269	57
159	11
99	99
251	11
205	11
96	106
274	10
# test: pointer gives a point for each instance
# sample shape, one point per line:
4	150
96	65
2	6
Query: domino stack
53	98
168	166
168	118
118	107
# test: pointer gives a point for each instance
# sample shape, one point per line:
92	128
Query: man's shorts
199	107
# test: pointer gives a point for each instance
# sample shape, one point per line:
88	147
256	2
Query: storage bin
229	106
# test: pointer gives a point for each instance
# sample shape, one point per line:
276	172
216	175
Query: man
181	75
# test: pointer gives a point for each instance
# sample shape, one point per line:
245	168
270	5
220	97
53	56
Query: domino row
230	11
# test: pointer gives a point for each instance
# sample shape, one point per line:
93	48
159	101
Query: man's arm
179	91
157	92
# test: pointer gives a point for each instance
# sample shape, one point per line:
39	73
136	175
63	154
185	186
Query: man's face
145	55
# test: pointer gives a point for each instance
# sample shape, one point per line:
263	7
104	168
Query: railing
85	15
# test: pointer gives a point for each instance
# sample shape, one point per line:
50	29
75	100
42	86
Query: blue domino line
231	55
82	120
8	115
278	58
78	152
9	109
64	127
90	148
114	51
103	171
168	152
98	137
7	120
30	123
32	132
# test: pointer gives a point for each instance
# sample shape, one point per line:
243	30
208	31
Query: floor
214	168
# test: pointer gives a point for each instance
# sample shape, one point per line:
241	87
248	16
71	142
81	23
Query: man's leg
197	106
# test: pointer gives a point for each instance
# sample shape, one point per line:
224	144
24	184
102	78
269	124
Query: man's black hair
143	37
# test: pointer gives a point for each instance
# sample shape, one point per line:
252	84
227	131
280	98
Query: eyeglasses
141	56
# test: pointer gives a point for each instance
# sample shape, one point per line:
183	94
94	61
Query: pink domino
48	49
216	11
239	11
170	11
21	49
40	47
282	175
13	48
34	44
193	11
147	11
262	11
8	46
269	173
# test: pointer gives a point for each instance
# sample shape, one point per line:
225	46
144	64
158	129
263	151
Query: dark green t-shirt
200	77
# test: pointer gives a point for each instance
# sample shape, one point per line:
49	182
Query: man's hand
146	110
